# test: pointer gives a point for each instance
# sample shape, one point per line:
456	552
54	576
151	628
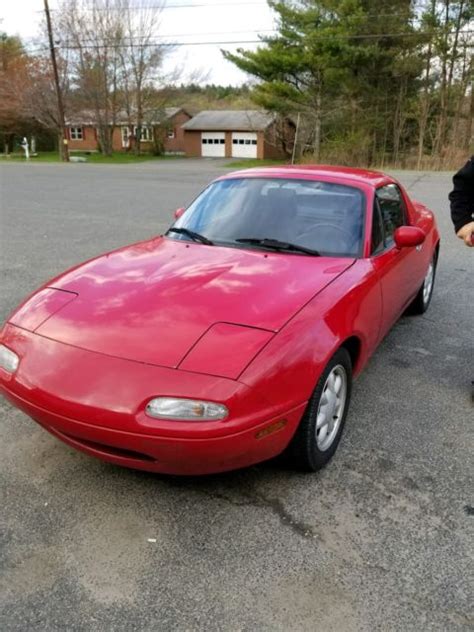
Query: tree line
110	61
371	81
387	82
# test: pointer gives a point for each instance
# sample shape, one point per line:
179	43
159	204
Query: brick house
238	134
163	128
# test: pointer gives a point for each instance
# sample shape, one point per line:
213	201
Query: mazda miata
236	335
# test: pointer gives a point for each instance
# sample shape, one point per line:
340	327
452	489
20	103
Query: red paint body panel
252	330
113	392
225	350
35	311
289	366
155	453
151	302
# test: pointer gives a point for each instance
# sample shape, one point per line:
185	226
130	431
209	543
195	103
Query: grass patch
248	163
116	158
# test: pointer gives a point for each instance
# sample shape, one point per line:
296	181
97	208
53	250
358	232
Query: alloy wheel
331	407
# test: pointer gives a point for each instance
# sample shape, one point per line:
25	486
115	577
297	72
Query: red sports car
233	337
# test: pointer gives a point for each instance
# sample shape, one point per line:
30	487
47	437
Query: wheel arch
353	346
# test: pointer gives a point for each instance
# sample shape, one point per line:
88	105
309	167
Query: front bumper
96	404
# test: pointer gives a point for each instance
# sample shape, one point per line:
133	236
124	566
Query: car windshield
323	217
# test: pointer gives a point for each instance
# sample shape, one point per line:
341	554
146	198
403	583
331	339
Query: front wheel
320	429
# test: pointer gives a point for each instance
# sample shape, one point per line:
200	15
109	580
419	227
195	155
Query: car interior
325	217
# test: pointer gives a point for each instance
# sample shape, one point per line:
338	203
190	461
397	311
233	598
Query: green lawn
116	158
248	163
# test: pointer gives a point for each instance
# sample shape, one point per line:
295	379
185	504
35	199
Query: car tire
422	300
308	450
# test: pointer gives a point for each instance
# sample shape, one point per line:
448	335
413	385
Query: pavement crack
275	505
415	181
286	517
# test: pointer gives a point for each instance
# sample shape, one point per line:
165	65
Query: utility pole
63	149
295	139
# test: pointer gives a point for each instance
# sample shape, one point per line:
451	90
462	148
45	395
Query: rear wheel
320	429
422	300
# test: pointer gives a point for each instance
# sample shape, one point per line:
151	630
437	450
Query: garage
242	134
244	145
213	144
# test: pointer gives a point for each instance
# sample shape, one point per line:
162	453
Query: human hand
466	233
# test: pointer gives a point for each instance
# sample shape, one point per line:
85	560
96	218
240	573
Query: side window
378	242
392	209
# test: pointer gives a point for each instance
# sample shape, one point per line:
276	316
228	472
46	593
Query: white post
24	145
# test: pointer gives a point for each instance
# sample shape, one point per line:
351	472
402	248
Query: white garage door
213	144
244	145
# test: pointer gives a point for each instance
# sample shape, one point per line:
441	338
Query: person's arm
462	202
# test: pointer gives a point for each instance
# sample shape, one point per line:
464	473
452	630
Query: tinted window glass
377	231
322	216
392	209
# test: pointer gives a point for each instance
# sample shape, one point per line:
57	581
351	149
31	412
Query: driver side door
394	266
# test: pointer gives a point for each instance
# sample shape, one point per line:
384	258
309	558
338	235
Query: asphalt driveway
380	540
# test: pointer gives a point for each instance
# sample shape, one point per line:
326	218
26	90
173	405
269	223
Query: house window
146	133
171	133
76	133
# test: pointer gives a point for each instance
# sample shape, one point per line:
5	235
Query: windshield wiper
194	236
276	244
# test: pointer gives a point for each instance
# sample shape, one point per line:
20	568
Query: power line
253	30
156	44
111	44
221	4
166	6
163	43
168	35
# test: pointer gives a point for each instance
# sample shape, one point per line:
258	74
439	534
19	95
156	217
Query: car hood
153	301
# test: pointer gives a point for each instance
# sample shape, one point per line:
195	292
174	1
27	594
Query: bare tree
429	23
457	15
38	97
141	56
94	35
115	58
13	74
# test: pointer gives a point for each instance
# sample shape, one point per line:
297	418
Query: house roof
225	120
170	112
153	117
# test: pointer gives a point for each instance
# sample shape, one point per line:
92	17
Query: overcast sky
198	21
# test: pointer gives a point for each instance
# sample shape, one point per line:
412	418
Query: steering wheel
315	227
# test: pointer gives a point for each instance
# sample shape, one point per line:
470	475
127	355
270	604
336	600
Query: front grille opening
111	450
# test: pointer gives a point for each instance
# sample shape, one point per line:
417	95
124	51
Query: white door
244	145
213	144
125	137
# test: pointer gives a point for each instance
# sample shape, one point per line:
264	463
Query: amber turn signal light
274	427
